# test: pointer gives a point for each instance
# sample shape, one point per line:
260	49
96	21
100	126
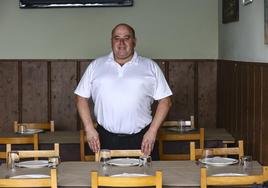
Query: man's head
123	42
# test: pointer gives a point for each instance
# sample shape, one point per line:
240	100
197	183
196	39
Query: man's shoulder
101	59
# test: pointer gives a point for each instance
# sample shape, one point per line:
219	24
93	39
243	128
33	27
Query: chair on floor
238	151
40	153
227	181
31	182
174	123
175	136
49	126
9	141
121	153
83	144
144	181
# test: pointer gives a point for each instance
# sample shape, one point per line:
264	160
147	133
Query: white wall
169	29
244	40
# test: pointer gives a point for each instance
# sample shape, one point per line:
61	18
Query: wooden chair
206	180
174	136
40	153
83	144
238	151
121	153
8	141
34	182
143	181
49	126
176	123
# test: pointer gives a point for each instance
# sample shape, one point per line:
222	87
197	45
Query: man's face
123	44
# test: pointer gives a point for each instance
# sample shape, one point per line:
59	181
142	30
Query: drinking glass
54	161
181	125
22	128
246	161
13	157
105	156
146	163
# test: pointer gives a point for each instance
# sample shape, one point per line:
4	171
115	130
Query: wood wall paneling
34	92
264	122
181	80
8	94
207	93
63	83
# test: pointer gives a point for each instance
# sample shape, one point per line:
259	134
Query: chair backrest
143	181
197	153
176	123
188	136
40	153
83	144
206	180
48	126
35	182
8	141
121	153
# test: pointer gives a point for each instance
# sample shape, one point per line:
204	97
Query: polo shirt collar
134	59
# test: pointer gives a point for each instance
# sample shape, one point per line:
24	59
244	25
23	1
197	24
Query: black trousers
110	140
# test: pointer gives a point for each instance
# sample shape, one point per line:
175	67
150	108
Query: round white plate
184	129
33	164
218	161
230	174
25	176
31	131
124	162
129	175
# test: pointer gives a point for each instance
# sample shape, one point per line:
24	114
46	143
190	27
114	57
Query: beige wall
244	40
170	29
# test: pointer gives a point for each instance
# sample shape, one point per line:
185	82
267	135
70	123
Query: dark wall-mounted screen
74	3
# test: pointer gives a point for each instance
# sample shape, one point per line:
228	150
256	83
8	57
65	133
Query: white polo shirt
123	94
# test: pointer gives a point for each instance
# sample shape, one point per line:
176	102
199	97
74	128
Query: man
123	86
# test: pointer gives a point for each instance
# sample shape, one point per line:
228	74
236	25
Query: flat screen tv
73	3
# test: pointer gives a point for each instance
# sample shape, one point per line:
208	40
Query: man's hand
93	140
148	142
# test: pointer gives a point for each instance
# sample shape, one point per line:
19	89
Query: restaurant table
76	174
69	141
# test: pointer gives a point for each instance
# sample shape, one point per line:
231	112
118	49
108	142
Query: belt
100	128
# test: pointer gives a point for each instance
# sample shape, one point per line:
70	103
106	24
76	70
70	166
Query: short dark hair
126	25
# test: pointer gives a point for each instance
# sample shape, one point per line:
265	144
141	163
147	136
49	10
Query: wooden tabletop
175	173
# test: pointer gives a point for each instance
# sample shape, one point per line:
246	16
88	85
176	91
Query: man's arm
91	133
160	115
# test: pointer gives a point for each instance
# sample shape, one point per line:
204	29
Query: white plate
218	161
184	129
129	175
124	162
33	164
25	176
31	131
230	174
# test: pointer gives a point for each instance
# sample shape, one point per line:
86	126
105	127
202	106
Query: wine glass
54	161
207	154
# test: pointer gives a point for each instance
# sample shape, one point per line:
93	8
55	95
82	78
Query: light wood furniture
33	182
206	180
109	181
49	126
176	123
40	153
121	153
83	144
238	151
8	141
165	135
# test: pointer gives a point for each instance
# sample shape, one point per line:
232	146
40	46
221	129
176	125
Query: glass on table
22	128
246	161
146	163
105	156
12	159
54	161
